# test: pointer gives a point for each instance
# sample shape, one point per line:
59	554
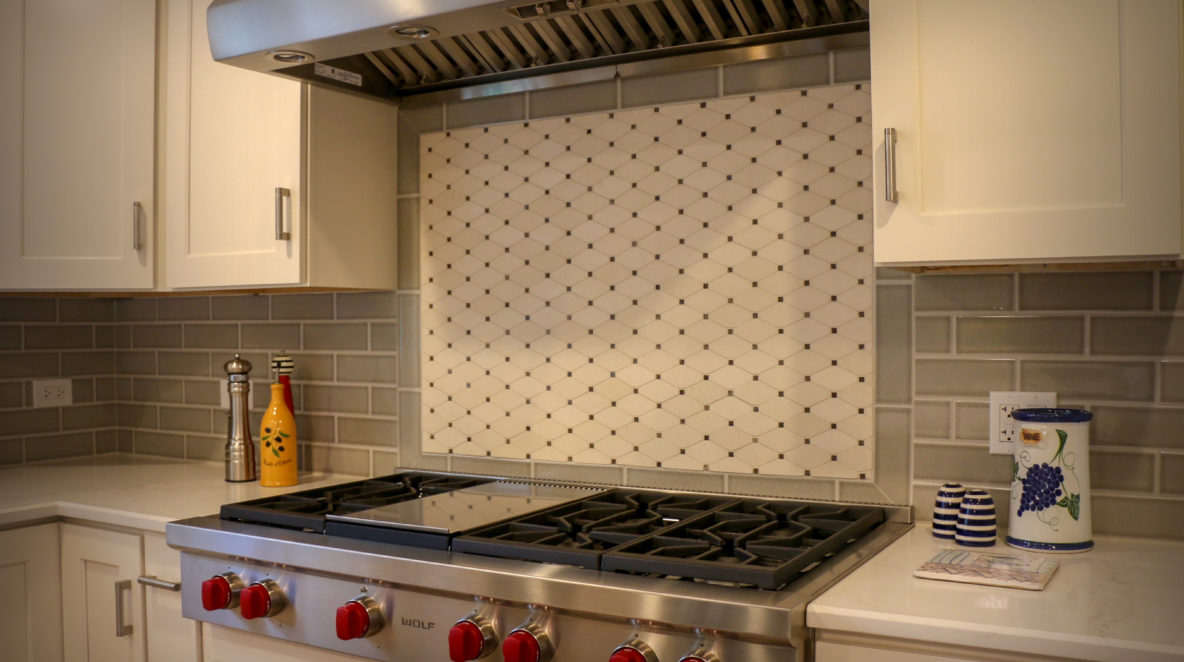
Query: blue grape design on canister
1043	485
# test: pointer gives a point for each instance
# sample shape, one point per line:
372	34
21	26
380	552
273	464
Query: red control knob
692	659
353	621
627	654
215	593
256	601
521	646
465	642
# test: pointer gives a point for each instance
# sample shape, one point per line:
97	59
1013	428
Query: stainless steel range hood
393	48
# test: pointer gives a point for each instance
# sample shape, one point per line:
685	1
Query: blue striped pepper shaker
945	510
976	520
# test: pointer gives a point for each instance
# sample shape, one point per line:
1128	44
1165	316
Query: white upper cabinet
1027	130
269	182
76	144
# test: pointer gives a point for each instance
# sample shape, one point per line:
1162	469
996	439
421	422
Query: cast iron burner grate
577	533
307	509
765	543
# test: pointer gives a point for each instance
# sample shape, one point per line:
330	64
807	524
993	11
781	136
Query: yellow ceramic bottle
277	434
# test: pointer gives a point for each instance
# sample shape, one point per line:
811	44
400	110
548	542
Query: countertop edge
1004	639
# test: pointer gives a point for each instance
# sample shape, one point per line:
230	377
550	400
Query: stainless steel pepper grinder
240	450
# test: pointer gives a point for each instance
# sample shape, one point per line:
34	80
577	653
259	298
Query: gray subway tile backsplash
1093	380
1104	290
335	336
302	307
1140	336
932	334
59	445
60	336
85	310
1121	471
1172	474
21	309
1144	426
10	337
970	377
931	419
964	292
183	308
1020	335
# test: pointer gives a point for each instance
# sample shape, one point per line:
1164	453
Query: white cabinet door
233	138
1027	130
31	611
170	636
102	613
76	143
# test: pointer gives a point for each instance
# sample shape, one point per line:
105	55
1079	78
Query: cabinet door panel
79	147
234	136
31	611
1028	139
170	636
93	561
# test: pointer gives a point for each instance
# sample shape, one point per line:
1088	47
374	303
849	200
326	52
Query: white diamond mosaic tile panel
687	286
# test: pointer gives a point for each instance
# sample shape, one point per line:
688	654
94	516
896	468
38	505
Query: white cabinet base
31	609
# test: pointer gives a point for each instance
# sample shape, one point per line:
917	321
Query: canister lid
1052	415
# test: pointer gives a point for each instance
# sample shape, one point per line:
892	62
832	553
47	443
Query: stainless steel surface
481	86
137	225
468	508
377	620
122	629
240	450
474	40
281	196
277	599
890	165
157	582
763	615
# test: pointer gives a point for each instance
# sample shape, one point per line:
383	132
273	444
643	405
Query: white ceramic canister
1050	509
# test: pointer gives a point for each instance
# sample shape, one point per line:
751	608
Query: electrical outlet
1003	426
52	392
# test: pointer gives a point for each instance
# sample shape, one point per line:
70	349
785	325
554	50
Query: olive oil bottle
277	439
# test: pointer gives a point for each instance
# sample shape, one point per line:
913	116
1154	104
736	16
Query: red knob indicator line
465	642
255	601
520	646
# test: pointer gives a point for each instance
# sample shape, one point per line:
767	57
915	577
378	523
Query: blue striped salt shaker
976	520
945	510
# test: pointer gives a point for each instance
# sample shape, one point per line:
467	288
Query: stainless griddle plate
468	508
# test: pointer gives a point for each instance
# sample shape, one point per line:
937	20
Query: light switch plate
1003	426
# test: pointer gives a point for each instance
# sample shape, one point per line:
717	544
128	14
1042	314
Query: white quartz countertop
138	492
1121	601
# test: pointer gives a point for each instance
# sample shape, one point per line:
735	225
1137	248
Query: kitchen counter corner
134	491
1119	601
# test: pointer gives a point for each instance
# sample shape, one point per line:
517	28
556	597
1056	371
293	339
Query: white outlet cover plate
53	392
1018	400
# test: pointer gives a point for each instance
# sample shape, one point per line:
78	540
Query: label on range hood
326	71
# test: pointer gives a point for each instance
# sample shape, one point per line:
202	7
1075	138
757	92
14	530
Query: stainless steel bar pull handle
137	225
157	582
890	165
122	586
280	194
